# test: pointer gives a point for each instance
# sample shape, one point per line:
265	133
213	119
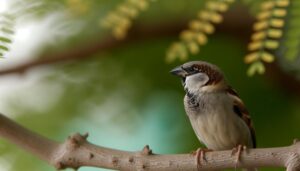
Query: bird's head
200	76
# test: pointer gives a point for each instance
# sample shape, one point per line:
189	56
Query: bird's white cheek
194	82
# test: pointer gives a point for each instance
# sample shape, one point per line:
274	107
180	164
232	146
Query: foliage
268	30
7	23
276	26
120	19
199	29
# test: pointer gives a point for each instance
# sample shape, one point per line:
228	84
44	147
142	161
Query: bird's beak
178	71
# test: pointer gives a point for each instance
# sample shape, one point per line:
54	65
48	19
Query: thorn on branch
76	140
91	156
59	166
115	161
143	166
295	141
131	159
146	151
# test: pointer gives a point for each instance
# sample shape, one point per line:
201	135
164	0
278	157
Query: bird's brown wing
240	109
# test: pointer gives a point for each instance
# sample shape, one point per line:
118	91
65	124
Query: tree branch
88	49
81	52
76	151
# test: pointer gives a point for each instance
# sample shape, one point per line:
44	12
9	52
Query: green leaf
257	67
5	40
7	30
4	48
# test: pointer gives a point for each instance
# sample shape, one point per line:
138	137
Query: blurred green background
123	95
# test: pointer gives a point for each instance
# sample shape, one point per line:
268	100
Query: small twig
76	151
146	150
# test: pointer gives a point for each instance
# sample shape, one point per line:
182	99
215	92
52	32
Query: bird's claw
237	151
200	155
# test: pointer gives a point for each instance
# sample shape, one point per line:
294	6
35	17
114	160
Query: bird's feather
240	109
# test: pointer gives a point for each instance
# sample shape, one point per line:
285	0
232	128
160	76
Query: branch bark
76	151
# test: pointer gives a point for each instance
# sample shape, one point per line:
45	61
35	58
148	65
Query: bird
217	114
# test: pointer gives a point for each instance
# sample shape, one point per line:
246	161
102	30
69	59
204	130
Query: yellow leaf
208	28
212	5
187	35
142	4
217	6
250	58
222	7
271	44
133	12
263	15
260	25
201	38
128	10
216	18
282	3
124	8
195	25
258	35
267	5
267	57
205	15
210	16
274	33
279	12
124	23
277	23
255	45
119	33
193	47
177	50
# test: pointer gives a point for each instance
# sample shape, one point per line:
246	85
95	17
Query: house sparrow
217	114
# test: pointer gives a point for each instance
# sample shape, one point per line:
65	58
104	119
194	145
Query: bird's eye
191	69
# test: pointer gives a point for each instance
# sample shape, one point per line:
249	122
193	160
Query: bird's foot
237	151
200	155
